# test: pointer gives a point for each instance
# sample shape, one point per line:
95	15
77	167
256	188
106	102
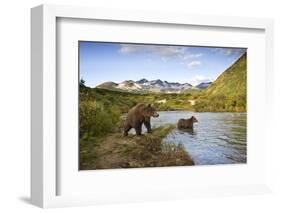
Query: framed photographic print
190	99
130	106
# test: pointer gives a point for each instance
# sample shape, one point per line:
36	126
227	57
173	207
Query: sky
100	62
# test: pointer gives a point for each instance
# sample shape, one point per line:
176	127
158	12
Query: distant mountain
108	85
203	85
144	85
129	85
142	81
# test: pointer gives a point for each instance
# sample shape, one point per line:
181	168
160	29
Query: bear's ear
149	105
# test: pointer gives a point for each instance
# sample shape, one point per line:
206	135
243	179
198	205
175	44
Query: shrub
96	120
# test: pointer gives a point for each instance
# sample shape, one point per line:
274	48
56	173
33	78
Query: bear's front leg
127	128
148	126
138	129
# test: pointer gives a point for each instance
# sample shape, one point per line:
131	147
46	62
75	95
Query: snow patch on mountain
158	86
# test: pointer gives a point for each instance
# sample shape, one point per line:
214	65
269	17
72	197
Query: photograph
147	105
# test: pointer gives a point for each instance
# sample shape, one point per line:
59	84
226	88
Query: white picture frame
44	149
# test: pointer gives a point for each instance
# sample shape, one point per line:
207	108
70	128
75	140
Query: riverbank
194	101
118	151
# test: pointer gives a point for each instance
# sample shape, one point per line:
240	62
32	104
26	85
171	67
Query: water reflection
188	131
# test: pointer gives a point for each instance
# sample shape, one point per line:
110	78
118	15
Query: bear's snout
155	115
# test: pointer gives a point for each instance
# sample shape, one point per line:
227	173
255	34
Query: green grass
161	132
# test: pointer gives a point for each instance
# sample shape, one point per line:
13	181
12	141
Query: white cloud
193	64
199	79
163	51
230	51
190	55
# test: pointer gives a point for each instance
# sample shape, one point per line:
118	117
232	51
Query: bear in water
138	115
186	123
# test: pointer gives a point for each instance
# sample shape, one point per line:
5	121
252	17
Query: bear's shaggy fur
186	123
138	115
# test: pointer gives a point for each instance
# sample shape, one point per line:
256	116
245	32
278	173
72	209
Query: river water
218	138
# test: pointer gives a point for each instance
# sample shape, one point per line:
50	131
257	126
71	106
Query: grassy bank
116	151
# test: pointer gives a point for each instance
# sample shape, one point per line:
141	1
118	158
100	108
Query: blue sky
101	62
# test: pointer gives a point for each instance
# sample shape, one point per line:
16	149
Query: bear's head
193	119
149	111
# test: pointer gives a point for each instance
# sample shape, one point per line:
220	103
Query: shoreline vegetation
117	151
102	144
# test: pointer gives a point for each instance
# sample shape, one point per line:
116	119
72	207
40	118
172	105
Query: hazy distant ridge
144	85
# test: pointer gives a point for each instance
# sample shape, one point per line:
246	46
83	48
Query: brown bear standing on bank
187	123
138	115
